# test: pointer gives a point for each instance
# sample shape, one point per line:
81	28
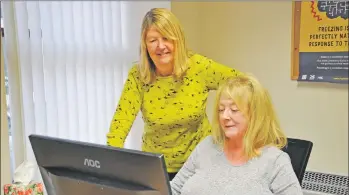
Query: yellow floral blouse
174	111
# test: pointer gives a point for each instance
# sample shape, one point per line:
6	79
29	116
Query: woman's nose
226	114
161	44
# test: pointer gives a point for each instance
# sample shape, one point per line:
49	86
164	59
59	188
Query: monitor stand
75	183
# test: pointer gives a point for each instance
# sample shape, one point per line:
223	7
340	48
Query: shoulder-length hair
169	26
255	102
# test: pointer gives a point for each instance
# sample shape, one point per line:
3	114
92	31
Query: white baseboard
307	192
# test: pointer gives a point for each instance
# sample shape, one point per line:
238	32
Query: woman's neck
234	151
164	71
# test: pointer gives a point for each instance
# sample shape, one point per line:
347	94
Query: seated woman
243	155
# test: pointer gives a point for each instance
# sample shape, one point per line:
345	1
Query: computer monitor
79	168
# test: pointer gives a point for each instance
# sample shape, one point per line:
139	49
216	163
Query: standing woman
170	86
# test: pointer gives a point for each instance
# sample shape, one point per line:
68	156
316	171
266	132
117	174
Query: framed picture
320	33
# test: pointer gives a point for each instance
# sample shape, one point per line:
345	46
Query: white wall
256	37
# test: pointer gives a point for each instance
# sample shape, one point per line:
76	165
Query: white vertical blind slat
71	52
26	74
117	49
88	26
99	67
80	70
60	68
37	67
48	56
109	63
125	37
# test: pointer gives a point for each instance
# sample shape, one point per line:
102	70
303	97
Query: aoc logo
92	163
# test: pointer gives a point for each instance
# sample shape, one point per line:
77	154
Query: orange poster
323	41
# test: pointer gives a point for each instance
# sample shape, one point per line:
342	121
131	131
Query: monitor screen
79	168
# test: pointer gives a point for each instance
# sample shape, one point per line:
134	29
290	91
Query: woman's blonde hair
254	101
169	26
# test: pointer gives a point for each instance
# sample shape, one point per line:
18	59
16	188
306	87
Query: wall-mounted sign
320	41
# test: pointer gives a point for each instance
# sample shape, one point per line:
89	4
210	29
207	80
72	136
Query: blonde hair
168	25
255	103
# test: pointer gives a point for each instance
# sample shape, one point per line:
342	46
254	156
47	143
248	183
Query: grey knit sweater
208	172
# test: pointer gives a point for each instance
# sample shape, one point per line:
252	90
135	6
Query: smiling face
160	49
231	119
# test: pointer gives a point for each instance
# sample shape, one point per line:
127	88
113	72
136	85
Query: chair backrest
299	152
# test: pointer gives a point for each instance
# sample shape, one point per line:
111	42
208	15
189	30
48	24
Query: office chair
299	152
